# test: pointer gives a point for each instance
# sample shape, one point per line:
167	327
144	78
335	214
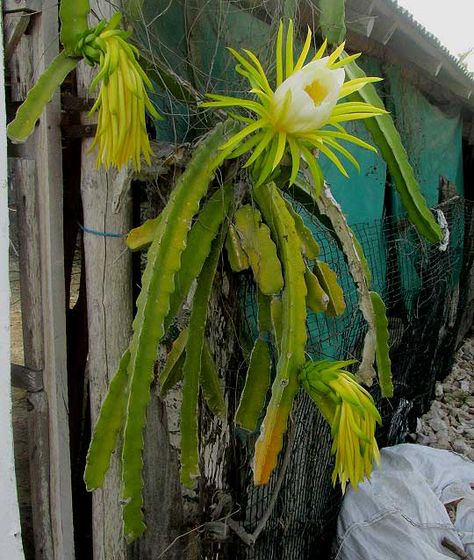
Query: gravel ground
449	424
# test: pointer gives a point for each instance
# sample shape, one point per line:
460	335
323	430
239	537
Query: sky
451	21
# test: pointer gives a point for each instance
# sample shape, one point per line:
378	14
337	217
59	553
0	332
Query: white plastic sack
400	514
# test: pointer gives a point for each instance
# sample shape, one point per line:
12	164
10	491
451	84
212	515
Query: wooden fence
36	180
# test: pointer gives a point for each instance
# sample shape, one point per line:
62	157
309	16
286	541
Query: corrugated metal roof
388	31
430	37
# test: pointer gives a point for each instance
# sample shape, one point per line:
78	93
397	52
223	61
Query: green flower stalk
301	115
122	101
350	411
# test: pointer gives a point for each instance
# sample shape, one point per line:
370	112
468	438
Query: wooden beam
27	379
415	48
383	30
360	23
30	6
44	147
23	180
109	307
14	25
20	64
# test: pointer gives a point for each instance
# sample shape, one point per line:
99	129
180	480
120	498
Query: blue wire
100	233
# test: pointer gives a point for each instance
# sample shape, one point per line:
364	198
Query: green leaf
198	246
260	249
332	20
39	96
256	386
264	317
210	383
301	193
384	365
73	15
387	138
238	259
172	370
153	306
192	368
257	381
310	246
109	424
328	210
316	298
328	281
276	309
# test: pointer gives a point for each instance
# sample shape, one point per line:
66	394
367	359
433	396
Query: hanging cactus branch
39	96
293	331
279	131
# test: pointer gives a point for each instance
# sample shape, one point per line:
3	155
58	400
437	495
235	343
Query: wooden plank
109	305
21	69
107	208
27	379
23	179
45	148
14	25
10	532
32	6
162	494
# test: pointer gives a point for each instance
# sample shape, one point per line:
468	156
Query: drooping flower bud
121	137
350	411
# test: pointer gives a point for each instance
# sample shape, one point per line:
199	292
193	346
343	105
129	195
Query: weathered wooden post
109	304
107	212
37	174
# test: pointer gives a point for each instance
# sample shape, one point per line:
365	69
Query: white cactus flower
304	101
301	115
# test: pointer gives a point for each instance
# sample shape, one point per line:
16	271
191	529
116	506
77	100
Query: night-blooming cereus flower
350	411
301	115
121	136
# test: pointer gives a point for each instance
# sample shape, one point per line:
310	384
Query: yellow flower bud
121	137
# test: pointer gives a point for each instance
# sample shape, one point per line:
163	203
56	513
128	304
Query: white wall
10	535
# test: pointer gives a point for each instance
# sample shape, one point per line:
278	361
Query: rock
449	424
438	425
465	386
460	446
469	432
423	440
443	443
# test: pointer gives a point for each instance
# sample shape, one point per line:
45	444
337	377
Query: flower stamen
317	91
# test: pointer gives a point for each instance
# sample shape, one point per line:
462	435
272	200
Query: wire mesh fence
424	292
